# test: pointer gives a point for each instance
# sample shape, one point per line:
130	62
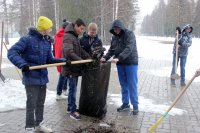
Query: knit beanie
44	23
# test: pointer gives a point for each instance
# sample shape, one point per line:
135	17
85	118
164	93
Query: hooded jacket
185	41
123	46
72	51
32	50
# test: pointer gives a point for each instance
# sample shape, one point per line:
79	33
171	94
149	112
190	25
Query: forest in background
18	15
167	16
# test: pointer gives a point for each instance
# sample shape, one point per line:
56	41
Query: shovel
176	76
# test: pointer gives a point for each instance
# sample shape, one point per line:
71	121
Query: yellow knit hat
44	23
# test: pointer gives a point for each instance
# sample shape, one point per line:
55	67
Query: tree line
18	15
167	16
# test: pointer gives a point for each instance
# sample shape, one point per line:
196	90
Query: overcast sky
147	6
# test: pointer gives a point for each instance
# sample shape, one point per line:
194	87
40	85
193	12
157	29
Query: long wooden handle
176	65
159	121
181	93
60	64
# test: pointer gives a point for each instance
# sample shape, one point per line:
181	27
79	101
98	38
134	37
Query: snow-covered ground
13	95
148	47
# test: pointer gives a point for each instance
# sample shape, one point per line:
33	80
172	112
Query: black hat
65	23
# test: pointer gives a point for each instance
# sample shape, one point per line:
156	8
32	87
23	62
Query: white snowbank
13	95
146	105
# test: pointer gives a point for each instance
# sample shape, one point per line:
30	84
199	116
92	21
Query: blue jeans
183	60
72	94
62	84
128	78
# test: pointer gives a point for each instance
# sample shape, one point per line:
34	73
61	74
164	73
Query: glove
68	62
179	30
25	68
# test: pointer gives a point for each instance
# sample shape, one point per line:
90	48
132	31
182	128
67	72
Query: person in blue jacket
123	49
184	41
34	49
90	39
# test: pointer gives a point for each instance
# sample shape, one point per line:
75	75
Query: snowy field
148	47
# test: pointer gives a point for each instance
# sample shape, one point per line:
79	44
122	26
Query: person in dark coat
185	41
62	82
34	49
90	40
123	49
73	51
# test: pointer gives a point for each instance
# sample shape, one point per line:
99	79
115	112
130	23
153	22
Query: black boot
135	110
123	107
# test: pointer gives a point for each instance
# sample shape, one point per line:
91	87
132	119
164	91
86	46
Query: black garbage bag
94	88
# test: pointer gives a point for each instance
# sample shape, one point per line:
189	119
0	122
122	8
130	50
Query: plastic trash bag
94	88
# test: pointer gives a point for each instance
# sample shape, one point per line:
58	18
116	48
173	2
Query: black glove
68	62
179	30
25	68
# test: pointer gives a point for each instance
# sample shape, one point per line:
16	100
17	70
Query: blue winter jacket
32	50
185	41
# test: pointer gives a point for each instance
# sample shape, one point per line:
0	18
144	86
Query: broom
159	121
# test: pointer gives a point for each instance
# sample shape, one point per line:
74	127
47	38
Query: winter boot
123	107
135	110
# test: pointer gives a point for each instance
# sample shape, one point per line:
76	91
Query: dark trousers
36	95
62	84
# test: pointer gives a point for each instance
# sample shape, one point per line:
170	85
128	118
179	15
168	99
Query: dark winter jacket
89	43
185	41
123	46
32	50
72	51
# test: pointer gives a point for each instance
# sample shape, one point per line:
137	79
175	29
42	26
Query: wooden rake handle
181	93
60	64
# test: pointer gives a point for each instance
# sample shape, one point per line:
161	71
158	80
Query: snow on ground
13	95
146	105
152	48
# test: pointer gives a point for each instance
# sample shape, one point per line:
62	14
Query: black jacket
89	43
123	46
